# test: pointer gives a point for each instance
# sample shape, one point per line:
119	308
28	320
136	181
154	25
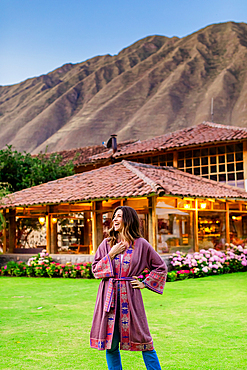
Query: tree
22	170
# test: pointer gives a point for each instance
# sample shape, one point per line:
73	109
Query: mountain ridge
154	86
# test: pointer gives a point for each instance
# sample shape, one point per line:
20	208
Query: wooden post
175	159
245	163
48	233
227	223
196	227
152	224
53	227
86	229
12	231
97	225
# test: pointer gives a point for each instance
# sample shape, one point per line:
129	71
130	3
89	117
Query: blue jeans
113	357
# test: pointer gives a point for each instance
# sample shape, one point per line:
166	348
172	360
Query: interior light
54	220
41	220
187	206
203	205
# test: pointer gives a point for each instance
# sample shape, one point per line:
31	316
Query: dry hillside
154	86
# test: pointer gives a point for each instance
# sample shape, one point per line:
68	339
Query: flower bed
208	262
43	265
184	266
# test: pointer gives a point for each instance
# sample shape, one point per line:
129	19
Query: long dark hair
131	226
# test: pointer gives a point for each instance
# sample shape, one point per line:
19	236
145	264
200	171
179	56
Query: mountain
155	86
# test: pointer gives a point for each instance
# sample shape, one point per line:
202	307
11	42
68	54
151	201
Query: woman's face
118	220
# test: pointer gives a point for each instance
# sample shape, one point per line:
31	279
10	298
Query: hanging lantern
54	220
41	220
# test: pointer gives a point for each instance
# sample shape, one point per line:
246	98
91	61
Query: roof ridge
220	125
137	172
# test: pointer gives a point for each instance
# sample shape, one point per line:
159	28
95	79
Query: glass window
221	149
222	177
180	164
170	156
196	161
239	147
240	175
230	148
204	152
230	167
238	227
239	156
196	153
231	176
204	170
212	151
189	170
188	162
239	166
221	159
188	154
211	230
222	168
230	157
213	177
197	171
213	160
213	169
175	230
180	155
204	161
170	164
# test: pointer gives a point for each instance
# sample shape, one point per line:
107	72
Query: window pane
212	151
213	169
188	154
213	160
230	157
180	155
197	171
213	177
205	170
239	166
231	183
222	177
196	161
230	148
239	147
239	156
180	164
230	167
204	152
204	161
170	164
221	149
188	162
231	176
189	170
170	156
221	168
196	153
240	176
221	159
206	177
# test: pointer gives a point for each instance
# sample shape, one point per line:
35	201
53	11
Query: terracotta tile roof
79	156
123	179
206	132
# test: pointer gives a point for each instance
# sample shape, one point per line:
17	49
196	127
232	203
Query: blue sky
37	36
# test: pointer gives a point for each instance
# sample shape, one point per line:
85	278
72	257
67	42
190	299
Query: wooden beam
12	231
152	222
175	159
54	246
48	233
196	243
227	223
97	225
245	163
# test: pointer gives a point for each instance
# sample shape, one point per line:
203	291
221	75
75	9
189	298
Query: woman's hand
117	249
136	283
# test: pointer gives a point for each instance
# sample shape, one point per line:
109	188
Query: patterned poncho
134	331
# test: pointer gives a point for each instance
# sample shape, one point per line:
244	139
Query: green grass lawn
196	324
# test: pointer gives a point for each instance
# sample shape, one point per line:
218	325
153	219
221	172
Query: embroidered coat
134	331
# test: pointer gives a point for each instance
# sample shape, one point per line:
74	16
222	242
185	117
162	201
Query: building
177	210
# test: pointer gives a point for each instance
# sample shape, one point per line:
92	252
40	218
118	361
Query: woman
119	315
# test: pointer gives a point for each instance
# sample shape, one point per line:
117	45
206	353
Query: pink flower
244	263
5	267
205	269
